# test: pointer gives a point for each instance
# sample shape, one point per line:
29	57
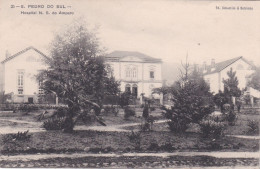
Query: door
30	100
135	90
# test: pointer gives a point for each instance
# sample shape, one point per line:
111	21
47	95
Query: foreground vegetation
105	142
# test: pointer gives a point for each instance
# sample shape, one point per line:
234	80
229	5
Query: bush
111	110
210	128
253	126
178	126
55	123
128	112
152	108
154	147
148	125
167	147
135	137
231	118
20	136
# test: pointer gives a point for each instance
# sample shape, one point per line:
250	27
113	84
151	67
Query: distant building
216	72
18	75
137	72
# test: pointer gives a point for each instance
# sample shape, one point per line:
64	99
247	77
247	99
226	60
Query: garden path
113	127
245	136
28	157
35	127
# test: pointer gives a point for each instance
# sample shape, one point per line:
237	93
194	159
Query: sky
170	30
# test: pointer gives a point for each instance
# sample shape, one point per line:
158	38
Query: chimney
196	68
212	63
7	54
204	66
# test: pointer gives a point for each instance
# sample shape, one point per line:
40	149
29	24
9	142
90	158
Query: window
131	71
134	72
128	72
20	82
152	74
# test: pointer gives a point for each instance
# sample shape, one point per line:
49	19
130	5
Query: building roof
23	51
222	65
117	55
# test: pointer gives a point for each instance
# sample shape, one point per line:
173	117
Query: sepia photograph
129	84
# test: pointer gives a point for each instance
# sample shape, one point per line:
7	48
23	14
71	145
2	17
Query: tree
231	85
254	81
77	72
3	97
192	101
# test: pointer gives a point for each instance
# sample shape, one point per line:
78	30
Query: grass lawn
159	140
241	127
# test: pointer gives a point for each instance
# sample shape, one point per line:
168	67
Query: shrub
178	126
231	118
210	128
20	136
216	117
152	108
135	137
145	127
111	110
55	123
167	147
128	112
148	124
253	126
154	147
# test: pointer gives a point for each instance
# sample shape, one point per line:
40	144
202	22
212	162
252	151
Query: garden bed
106	142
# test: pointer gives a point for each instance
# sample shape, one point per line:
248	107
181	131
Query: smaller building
18	75
216	72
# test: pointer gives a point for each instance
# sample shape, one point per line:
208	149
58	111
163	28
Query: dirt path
246	137
113	127
28	157
36	127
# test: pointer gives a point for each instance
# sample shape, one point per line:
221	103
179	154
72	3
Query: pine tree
192	101
231	85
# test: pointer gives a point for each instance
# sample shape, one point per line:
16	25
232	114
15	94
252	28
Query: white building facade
216	72
18	75
137	72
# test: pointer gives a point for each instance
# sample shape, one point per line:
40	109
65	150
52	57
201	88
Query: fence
27	107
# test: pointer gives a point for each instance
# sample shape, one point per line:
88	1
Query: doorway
135	90
30	100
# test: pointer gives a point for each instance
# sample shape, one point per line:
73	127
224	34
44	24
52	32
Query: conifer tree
231	85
